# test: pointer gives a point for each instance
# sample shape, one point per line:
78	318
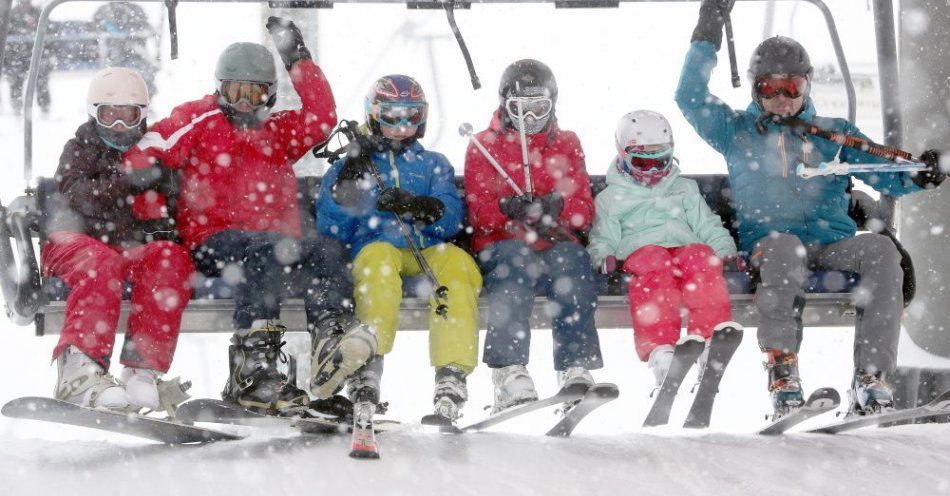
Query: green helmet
246	62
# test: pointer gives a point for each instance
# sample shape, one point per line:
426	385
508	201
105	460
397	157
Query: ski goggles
791	86
401	114
109	116
519	107
255	94
637	158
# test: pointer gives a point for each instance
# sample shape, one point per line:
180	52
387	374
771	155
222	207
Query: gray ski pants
782	261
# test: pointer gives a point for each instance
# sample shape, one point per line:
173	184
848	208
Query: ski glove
532	211
395	200
425	210
934	175
156	178
711	19
288	40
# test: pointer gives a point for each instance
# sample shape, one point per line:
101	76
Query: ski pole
850	141
439	292
466	131
840	168
529	189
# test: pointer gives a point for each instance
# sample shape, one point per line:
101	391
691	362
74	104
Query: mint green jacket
630	216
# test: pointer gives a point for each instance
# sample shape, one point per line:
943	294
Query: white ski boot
84	382
574	375
141	386
451	392
513	386
659	362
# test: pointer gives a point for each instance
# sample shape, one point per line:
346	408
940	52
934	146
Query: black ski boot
363	386
870	394
341	345
451	392
254	381
785	385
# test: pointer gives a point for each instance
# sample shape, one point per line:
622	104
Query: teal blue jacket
768	195
421	172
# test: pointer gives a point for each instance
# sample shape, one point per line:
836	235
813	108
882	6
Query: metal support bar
889	75
4	26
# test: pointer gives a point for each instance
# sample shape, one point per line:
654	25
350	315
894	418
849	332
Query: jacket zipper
781	148
395	174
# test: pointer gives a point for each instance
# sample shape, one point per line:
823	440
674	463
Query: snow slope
609	453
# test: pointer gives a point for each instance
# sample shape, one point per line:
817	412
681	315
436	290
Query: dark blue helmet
396	100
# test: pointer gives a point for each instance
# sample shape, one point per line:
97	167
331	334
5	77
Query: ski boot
513	386
659	362
363	386
255	382
869	394
785	385
341	345
82	381
451	392
141	385
569	377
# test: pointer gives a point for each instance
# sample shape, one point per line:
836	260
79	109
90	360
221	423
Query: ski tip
361	454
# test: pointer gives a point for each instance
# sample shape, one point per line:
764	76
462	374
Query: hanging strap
730	42
450	14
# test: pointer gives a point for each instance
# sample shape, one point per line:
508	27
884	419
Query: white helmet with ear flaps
642	128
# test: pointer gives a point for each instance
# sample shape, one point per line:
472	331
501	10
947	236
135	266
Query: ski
722	346
223	412
685	355
571	393
596	396
363	443
939	406
820	401
61	412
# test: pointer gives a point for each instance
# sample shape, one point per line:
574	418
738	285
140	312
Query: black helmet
779	55
524	74
527	78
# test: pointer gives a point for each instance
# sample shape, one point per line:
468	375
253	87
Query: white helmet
116	86
641	128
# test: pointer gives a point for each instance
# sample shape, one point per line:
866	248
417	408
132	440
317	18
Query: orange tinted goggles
256	94
792	87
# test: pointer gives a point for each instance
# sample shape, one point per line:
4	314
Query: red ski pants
160	274
668	279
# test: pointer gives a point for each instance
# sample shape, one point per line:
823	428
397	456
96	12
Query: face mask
121	140
244	120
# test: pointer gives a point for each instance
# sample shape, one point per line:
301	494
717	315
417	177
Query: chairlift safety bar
48	8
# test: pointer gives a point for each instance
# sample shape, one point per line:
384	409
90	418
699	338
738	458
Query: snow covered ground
609	453
601	77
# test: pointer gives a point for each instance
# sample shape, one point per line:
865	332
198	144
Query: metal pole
4	26
886	37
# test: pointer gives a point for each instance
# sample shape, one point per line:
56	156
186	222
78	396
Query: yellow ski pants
377	272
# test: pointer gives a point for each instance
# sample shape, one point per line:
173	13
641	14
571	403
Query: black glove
156	178
359	156
519	208
425	209
288	40
551	204
395	200
934	175
712	15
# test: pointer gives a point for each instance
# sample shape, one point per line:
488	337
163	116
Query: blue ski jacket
414	169
768	195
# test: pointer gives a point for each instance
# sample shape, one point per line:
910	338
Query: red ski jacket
234	178
557	164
